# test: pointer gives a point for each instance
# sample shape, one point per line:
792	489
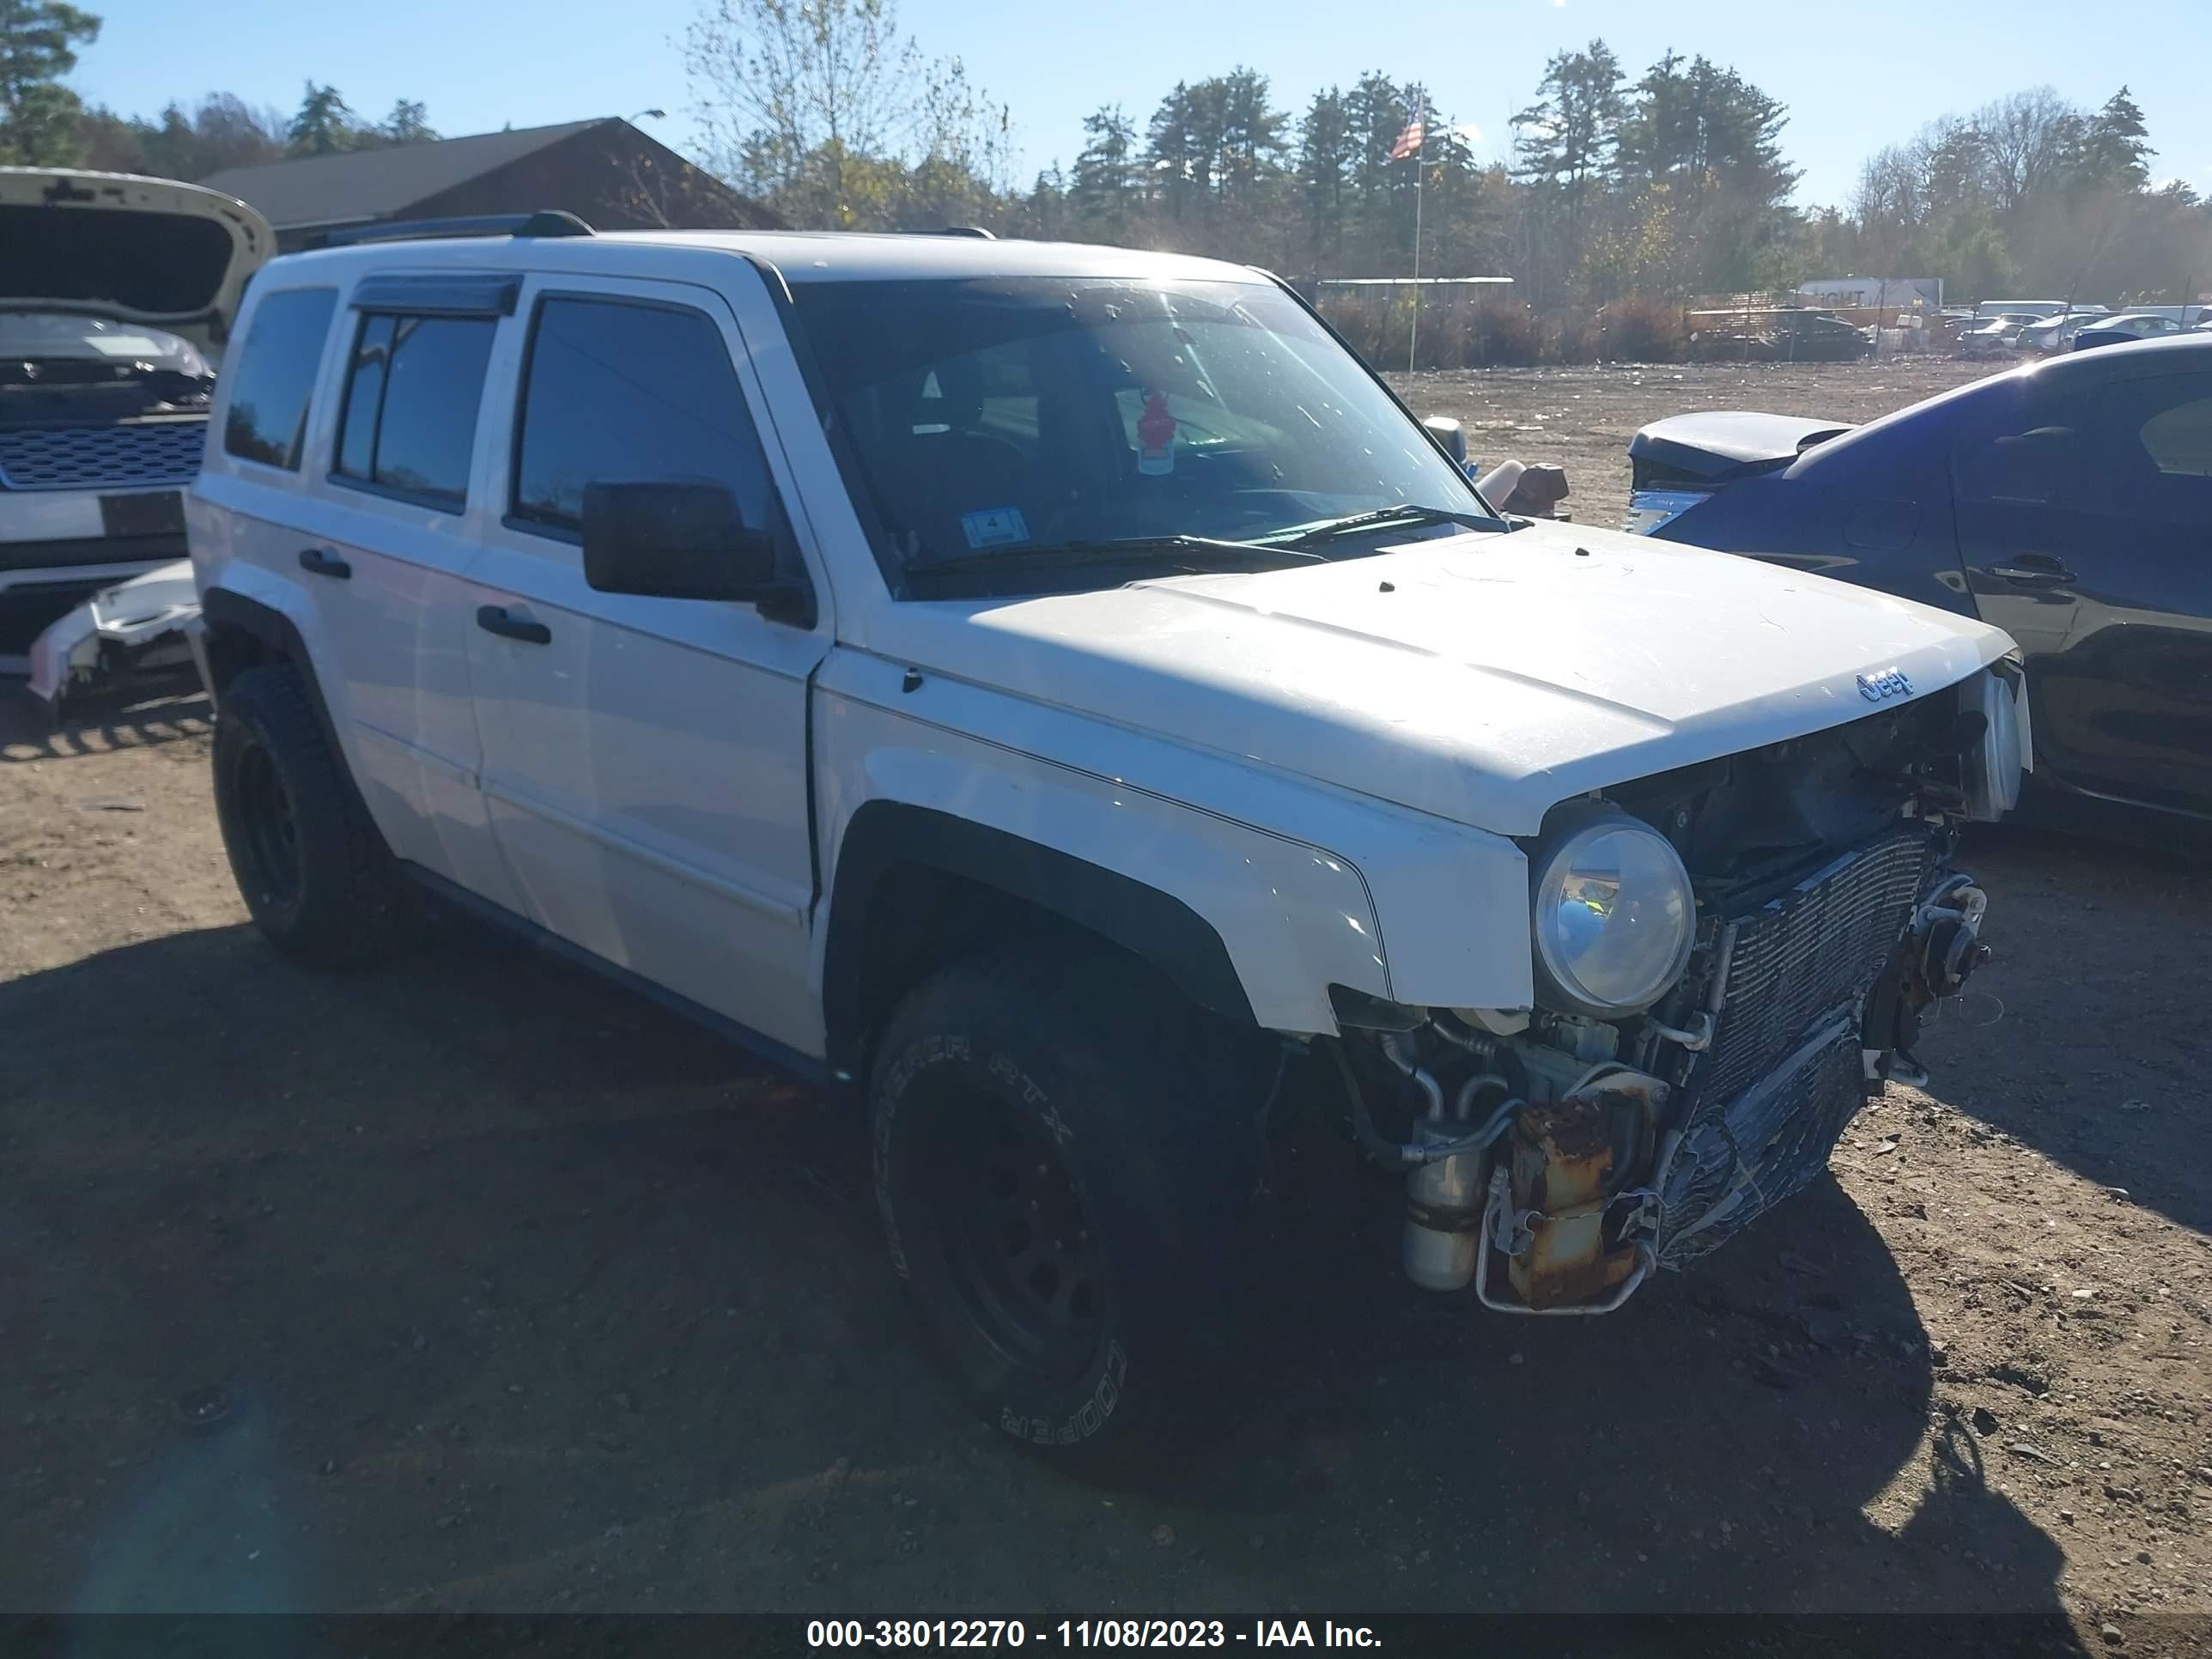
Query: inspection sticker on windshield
996	527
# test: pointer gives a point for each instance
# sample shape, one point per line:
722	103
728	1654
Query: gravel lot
1583	418
473	1284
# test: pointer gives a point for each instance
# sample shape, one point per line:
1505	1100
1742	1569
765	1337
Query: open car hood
153	252
1718	444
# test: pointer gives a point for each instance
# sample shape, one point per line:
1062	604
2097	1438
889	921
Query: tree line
1668	185
1671	185
2029	195
43	123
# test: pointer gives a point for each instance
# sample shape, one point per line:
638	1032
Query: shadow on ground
146	716
474	1284
2084	1038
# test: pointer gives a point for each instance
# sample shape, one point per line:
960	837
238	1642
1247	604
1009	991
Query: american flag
1409	140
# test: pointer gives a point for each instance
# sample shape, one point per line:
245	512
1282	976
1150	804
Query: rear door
2085	526
645	759
380	548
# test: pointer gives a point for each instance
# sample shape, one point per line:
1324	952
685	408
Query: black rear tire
1063	1154
315	873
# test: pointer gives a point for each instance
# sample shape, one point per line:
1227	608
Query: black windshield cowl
1384	517
1018	569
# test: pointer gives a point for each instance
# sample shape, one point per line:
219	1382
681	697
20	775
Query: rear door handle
321	562
2035	570
495	619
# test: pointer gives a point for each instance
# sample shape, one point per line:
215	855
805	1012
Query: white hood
147	251
1481	678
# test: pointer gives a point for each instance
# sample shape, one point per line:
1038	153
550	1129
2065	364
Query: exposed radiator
1816	947
1784	1075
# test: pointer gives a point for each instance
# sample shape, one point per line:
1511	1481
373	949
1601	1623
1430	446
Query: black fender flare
1156	927
277	634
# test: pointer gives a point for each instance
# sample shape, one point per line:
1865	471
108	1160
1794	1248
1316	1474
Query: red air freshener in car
1156	435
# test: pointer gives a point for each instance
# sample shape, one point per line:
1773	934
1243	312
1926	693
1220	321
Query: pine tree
39	116
324	123
2115	146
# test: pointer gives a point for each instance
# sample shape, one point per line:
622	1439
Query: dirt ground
1583	418
474	1284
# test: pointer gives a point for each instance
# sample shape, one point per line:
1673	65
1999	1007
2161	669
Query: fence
1486	329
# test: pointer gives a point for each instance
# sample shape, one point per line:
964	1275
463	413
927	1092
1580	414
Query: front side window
412	393
272	375
1020	424
619	392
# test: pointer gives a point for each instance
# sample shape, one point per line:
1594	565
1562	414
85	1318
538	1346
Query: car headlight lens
1615	916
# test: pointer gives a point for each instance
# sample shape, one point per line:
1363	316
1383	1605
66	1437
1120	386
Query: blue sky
1851	84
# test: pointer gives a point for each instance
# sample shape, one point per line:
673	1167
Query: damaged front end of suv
1729	959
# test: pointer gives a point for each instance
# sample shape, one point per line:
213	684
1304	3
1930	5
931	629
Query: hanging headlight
1614	915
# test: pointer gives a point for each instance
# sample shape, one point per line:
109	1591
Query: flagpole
1414	333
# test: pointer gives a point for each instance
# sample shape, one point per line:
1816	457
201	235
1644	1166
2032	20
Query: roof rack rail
546	222
968	230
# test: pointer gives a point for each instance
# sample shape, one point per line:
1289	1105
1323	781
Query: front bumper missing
1733	1155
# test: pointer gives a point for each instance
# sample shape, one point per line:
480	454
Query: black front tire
1063	1154
315	873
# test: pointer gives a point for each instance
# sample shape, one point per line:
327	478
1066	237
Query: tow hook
1938	956
1949	930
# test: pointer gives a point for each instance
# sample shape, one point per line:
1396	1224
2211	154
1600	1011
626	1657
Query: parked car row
2031	331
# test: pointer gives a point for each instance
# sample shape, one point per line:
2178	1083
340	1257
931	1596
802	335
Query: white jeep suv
116	297
1041	689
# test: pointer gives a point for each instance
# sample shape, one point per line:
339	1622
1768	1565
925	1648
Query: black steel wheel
314	873
1063	1151
267	861
1021	1254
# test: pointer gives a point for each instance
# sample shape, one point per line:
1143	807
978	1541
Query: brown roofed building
605	172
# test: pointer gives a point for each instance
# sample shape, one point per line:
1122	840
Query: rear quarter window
271	377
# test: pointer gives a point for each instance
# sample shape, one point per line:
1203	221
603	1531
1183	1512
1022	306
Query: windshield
994	422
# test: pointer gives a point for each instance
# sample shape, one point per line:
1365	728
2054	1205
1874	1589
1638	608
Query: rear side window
272	375
412	388
630	393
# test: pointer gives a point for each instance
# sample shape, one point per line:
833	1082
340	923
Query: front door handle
495	619
2035	570
321	562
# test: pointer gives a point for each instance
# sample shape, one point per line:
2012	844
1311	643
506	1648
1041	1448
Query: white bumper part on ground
135	625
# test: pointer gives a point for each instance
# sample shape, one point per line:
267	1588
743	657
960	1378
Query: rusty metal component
1503	1233
1570	1159
1562	1158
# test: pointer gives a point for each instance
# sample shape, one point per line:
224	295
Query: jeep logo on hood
1880	687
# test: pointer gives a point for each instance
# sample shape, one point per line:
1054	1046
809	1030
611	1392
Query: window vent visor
458	294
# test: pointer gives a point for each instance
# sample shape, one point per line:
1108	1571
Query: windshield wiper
1407	515
1195	552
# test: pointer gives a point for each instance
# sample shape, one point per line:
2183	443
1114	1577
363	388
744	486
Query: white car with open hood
1060	697
116	297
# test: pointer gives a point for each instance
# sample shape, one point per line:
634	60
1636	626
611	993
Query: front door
2085	528
645	759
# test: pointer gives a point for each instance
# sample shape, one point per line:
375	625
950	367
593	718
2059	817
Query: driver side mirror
1451	435
687	541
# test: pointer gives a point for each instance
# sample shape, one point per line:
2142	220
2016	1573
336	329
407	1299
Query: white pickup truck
1041	690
